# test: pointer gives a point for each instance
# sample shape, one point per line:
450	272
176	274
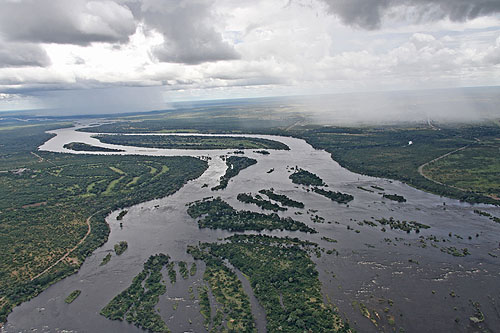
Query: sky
81	56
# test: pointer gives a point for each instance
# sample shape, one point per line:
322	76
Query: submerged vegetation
283	278
136	304
191	142
234	165
217	213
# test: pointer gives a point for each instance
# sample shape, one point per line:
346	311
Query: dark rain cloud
369	14
65	21
22	55
188	30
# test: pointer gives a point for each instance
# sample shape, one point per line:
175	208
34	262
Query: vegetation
263	152
120	247
71	297
394	197
183	269
191	142
403	225
122	214
283	278
48	201
219	214
136	304
470	174
234	165
80	146
106	259
491	217
262	203
232	304
334	196
303	177
283	199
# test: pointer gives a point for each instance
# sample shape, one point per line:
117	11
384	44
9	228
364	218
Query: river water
430	293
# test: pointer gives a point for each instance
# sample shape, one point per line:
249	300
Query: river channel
409	285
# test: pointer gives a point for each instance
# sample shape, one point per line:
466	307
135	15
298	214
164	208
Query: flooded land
390	258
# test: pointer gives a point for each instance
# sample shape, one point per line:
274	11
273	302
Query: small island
80	146
234	165
394	197
71	297
121	247
304	177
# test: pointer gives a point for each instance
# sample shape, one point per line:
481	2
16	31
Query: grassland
46	199
475	168
284	280
191	142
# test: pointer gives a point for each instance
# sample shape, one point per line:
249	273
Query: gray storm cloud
369	14
188	30
65	21
22	55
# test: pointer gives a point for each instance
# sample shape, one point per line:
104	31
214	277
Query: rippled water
368	269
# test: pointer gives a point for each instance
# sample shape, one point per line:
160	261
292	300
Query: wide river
400	278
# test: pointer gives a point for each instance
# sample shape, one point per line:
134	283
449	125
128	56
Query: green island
121	215
259	201
457	161
334	196
106	259
53	206
232	304
136	304
304	177
191	142
183	270
282	199
394	197
283	278
80	146
120	247
218	214
71	297
262	152
234	165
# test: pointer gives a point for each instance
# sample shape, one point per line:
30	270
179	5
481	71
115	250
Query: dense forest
191	142
218	214
80	146
283	278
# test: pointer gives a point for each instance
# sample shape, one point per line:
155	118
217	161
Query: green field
46	200
476	168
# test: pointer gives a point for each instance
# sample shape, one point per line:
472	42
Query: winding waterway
430	293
